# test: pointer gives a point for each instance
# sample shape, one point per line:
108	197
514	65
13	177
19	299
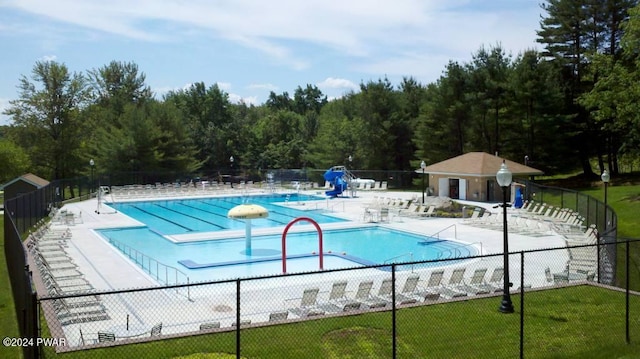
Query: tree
442	129
489	89
46	118
613	99
538	128
573	31
15	161
209	119
118	84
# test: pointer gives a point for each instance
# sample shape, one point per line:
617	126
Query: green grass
577	322
557	325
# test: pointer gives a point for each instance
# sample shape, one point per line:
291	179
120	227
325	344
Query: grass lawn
556	326
576	322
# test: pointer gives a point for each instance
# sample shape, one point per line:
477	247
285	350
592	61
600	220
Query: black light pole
91	163
423	165
504	178
231	159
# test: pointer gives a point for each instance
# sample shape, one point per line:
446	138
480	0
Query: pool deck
106	268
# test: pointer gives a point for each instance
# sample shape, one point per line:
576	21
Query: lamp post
91	163
504	178
231	159
605	178
350	161
423	165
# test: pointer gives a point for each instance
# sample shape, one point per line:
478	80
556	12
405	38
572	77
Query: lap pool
210	214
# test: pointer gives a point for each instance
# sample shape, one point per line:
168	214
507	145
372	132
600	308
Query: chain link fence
408	310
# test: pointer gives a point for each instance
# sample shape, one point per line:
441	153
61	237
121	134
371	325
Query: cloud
225	86
48	58
267	86
337	83
249	100
356	28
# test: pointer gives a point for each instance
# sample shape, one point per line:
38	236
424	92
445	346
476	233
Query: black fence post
238	318
628	340
394	345
521	304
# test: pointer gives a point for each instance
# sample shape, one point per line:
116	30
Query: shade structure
248	212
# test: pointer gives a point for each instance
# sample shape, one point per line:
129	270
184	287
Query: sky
252	47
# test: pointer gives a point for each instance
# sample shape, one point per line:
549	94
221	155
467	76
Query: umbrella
248	212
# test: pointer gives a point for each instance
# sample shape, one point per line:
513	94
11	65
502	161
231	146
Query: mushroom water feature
248	212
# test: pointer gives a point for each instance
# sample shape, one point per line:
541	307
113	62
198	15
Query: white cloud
337	83
357	28
48	58
270	87
249	100
225	86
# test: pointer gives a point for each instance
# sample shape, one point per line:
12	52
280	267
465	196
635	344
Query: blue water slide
335	178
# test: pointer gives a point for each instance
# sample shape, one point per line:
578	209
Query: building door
463	189
491	194
454	188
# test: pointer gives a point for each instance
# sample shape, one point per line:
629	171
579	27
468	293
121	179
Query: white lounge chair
308	303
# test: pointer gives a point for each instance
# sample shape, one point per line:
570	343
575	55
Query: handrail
456	252
455	232
145	262
331	208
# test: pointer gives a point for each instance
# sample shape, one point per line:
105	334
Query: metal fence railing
392	302
234	301
594	212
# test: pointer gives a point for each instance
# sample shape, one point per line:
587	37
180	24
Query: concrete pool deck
106	268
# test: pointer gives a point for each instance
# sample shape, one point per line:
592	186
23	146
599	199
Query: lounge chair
495	284
476	279
337	297
308	303
106	337
338	290
428	292
243	322
451	289
209	326
362	294
429	212
156	330
383	297
278	316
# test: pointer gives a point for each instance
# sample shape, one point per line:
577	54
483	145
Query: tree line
562	107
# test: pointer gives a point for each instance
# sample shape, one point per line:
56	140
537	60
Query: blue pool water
211	259
210	214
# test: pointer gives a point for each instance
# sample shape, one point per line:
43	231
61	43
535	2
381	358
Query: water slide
335	176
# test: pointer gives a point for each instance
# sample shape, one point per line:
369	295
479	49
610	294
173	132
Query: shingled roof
30	178
478	164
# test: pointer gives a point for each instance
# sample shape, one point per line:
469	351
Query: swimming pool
210	214
226	258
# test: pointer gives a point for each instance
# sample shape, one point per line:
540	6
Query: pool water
227	258
210	214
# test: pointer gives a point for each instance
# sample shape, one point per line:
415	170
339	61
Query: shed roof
477	164
31	179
